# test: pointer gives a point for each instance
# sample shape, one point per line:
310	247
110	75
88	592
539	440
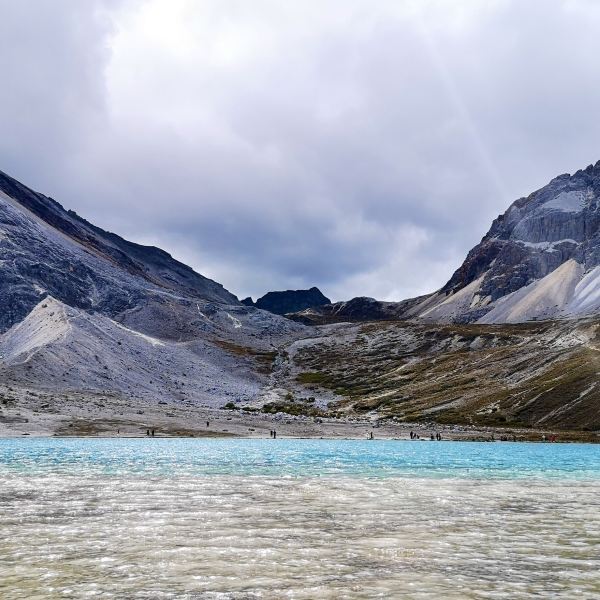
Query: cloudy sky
359	145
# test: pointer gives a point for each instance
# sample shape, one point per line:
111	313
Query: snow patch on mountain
237	324
151	340
567	201
547	246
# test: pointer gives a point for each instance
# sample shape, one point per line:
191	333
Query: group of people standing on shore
416	436
273	434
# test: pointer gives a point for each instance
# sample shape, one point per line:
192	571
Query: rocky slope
526	375
47	250
289	301
83	311
60	347
540	260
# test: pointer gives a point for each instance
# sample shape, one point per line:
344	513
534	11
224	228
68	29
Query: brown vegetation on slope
534	374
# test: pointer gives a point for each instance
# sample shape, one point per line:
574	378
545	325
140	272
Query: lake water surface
244	519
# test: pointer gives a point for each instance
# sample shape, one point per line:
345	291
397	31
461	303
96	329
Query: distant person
153	433
431	437
207	424
147	432
274	434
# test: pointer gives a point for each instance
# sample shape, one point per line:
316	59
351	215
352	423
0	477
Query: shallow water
298	519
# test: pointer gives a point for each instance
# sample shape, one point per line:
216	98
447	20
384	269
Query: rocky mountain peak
556	225
289	301
535	236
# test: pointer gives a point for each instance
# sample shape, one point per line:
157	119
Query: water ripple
78	524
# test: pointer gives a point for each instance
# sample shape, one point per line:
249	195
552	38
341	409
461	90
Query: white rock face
455	304
586	297
567	202
47	324
546	298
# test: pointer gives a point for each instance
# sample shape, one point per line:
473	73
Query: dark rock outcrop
355	310
290	301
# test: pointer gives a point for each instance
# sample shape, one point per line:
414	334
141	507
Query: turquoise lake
299	458
241	519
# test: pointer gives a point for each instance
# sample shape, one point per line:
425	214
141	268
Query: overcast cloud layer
360	146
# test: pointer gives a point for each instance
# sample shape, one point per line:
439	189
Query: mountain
100	335
47	250
357	309
290	301
539	260
85	314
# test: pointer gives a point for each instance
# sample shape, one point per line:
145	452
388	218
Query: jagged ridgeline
540	260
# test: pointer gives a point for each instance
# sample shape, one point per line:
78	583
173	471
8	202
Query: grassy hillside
536	374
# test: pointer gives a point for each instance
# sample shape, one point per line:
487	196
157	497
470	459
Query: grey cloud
360	147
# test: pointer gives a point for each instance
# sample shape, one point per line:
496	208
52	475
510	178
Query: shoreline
473	440
259	427
87	415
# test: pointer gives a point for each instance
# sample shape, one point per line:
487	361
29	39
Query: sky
362	146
